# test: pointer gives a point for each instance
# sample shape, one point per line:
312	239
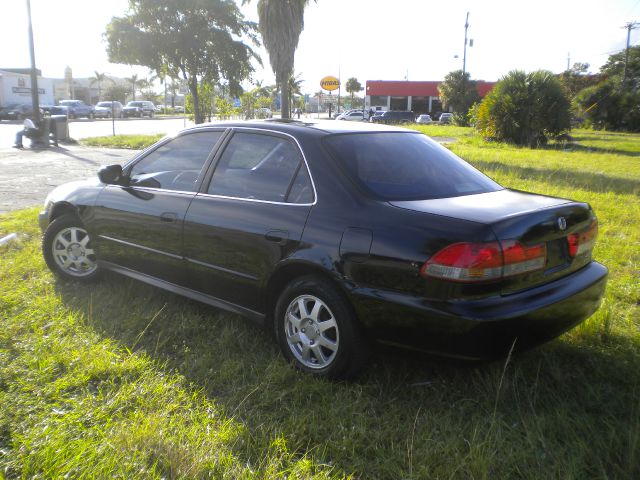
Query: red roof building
420	97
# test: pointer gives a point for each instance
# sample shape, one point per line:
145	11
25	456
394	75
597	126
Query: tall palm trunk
280	24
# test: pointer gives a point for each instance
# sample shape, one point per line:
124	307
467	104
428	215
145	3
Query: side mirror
111	175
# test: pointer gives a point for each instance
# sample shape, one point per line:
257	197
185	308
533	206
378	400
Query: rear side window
406	166
262	167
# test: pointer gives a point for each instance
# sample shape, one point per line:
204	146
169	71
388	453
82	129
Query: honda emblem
562	223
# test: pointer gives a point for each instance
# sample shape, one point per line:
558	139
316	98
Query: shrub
606	106
524	109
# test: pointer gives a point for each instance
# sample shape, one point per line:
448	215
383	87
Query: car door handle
277	236
168	217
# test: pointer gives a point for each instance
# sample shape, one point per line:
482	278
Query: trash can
61	125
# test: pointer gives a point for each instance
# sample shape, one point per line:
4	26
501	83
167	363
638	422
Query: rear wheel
67	249
317	330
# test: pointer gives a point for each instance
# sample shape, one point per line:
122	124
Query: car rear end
459	265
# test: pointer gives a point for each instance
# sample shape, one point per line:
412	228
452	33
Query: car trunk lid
560	230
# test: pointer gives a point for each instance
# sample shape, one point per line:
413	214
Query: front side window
177	164
262	167
406	166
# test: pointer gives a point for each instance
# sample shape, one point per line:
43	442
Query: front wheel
317	330
67	249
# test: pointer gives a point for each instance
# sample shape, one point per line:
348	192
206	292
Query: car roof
309	126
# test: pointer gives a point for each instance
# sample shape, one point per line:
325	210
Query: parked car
139	109
377	113
264	112
77	108
446	117
59	110
333	234
352	116
107	109
16	111
180	109
394	116
424	119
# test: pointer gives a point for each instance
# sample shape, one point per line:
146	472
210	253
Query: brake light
583	242
473	262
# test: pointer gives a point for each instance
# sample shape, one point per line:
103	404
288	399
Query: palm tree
99	78
136	83
353	86
280	23
295	83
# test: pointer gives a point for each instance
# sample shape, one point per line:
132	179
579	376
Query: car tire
67	250
317	330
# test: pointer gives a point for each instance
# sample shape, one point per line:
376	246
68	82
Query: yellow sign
330	83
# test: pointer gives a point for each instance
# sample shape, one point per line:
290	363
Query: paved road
27	176
83	128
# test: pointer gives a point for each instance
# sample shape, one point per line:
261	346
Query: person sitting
32	132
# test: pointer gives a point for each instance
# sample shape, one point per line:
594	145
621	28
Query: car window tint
406	166
177	164
257	166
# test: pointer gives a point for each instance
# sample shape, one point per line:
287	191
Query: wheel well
60	209
286	275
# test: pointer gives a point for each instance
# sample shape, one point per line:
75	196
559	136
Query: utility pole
568	60
629	26
464	59
35	103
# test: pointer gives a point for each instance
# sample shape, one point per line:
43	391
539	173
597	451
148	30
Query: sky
365	39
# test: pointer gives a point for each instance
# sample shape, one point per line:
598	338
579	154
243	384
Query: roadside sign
330	83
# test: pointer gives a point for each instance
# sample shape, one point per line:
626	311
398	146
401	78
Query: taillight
473	262
582	242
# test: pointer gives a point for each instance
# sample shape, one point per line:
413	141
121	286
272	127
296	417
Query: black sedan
333	234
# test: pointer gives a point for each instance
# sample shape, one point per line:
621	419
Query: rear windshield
406	166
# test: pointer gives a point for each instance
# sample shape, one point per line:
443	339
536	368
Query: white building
15	87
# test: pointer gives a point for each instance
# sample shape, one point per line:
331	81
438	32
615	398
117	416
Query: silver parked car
424	119
108	109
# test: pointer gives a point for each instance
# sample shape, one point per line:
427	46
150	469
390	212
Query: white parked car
424	118
103	109
352	116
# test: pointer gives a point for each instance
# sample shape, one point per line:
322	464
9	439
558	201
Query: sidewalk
27	176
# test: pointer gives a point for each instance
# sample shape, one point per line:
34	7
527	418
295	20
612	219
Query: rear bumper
486	328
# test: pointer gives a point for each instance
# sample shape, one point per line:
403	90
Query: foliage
206	102
458	93
117	92
295	88
253	100
614	67
121	380
196	39
577	78
134	142
524	109
224	108
280	23
353	86
99	78
607	106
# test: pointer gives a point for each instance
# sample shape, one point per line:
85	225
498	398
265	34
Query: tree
99	78
280	23
136	84
117	93
614	68
198	39
353	86
458	93
295	88
577	78
525	109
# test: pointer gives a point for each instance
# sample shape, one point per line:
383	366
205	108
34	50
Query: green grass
136	142
121	380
